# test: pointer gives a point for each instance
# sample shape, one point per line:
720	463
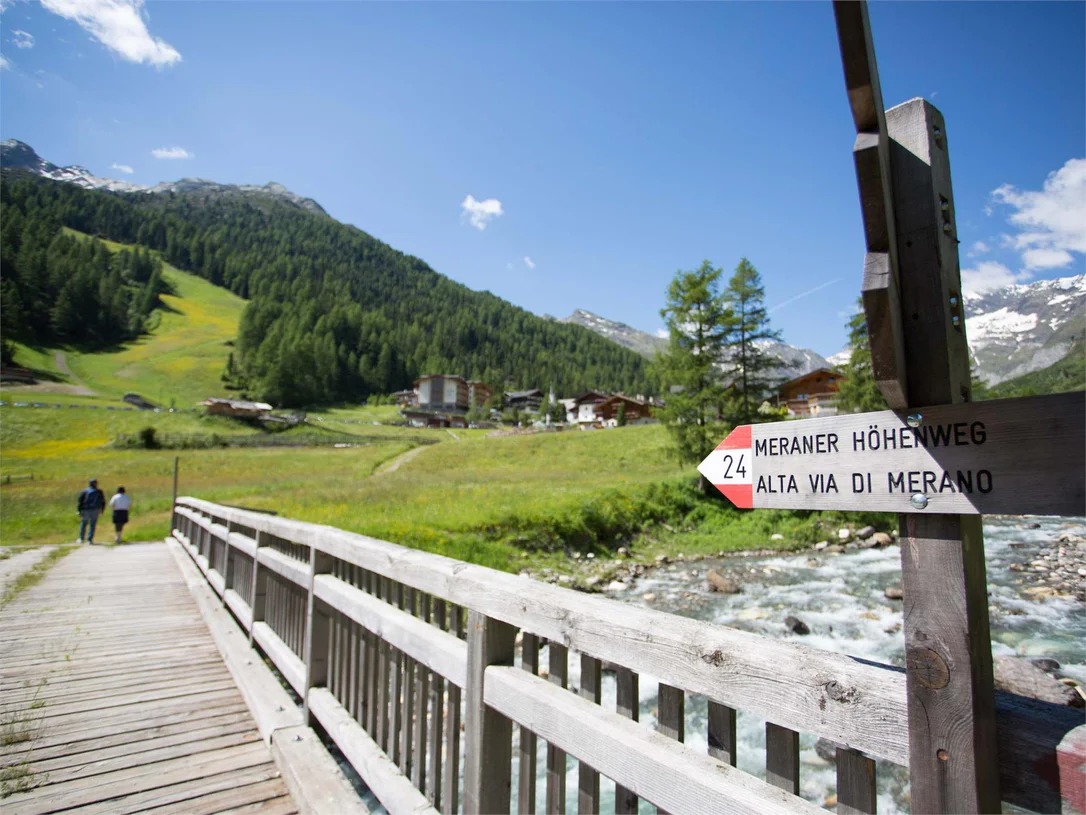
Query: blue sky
603	145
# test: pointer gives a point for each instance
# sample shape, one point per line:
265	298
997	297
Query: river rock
648	598
821	545
616	585
776	536
797	626
834	549
826	750
592	581
866	532
894	593
1033	525
1046	664
662	559
882	539
715	581
622	550
844	534
1019	676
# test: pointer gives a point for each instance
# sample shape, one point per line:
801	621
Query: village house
237	408
638	411
813	394
406	398
524	401
584	409
443	400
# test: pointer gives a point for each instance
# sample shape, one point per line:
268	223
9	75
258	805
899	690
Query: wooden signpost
939	465
1012	456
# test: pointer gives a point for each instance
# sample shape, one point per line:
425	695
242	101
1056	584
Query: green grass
179	361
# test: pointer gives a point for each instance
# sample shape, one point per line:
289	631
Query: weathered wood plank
383	777
558	674
856	793
488	735
588	780
526	780
721	731
782	757
627	704
655	767
437	716
450	794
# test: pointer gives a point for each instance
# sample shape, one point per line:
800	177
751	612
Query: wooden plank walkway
113	697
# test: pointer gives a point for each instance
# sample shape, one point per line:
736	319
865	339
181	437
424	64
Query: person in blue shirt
92	503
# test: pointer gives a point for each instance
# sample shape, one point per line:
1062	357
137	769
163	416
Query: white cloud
988	275
978	248
481	213
124	168
529	262
1051	222
4	64
22	39
120	26
171	152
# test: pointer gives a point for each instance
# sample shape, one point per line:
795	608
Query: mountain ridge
20	155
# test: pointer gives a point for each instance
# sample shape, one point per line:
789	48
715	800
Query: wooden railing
412	663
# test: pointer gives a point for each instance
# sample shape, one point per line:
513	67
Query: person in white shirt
120	504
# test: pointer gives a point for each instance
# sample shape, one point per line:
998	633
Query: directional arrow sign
1011	456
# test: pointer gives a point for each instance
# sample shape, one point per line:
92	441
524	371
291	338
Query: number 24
740	470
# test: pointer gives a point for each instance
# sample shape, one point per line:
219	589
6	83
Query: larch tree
858	391
689	369
751	365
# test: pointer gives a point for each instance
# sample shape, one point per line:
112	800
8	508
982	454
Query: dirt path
393	465
77	387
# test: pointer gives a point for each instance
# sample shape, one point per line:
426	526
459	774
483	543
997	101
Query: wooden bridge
443	685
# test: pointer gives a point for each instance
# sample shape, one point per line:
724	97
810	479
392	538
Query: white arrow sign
1012	456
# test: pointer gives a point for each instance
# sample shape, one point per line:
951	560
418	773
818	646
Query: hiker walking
92	503
120	504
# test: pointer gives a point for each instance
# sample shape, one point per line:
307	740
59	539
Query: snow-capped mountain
17	154
840	358
1019	329
794	361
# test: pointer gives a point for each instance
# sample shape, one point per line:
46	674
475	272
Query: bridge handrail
363	581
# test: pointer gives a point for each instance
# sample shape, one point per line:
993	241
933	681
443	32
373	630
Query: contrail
791	300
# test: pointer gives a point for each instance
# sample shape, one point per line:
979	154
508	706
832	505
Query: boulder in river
882	539
866	532
715	581
826	750
821	545
796	625
844	534
894	593
1046	664
834	549
1020	676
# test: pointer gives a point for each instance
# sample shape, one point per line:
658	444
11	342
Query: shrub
147	438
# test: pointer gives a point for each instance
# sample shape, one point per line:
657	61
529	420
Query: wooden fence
411	662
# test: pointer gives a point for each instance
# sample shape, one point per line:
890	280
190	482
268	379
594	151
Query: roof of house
523	394
589	395
443	376
623	397
809	374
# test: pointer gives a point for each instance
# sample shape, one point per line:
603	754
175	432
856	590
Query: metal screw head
914	420
953	301
919	500
956	320
297	738
947	228
279	709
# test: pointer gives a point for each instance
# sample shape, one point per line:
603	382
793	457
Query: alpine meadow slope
335	315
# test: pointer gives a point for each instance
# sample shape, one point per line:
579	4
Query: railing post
227	562
317	631
258	600
488	734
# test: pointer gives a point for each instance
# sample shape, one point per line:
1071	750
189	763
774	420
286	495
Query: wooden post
489	752
917	335
258	602
953	761
317	631
176	460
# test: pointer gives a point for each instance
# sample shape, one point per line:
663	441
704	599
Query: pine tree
689	370
751	365
858	392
